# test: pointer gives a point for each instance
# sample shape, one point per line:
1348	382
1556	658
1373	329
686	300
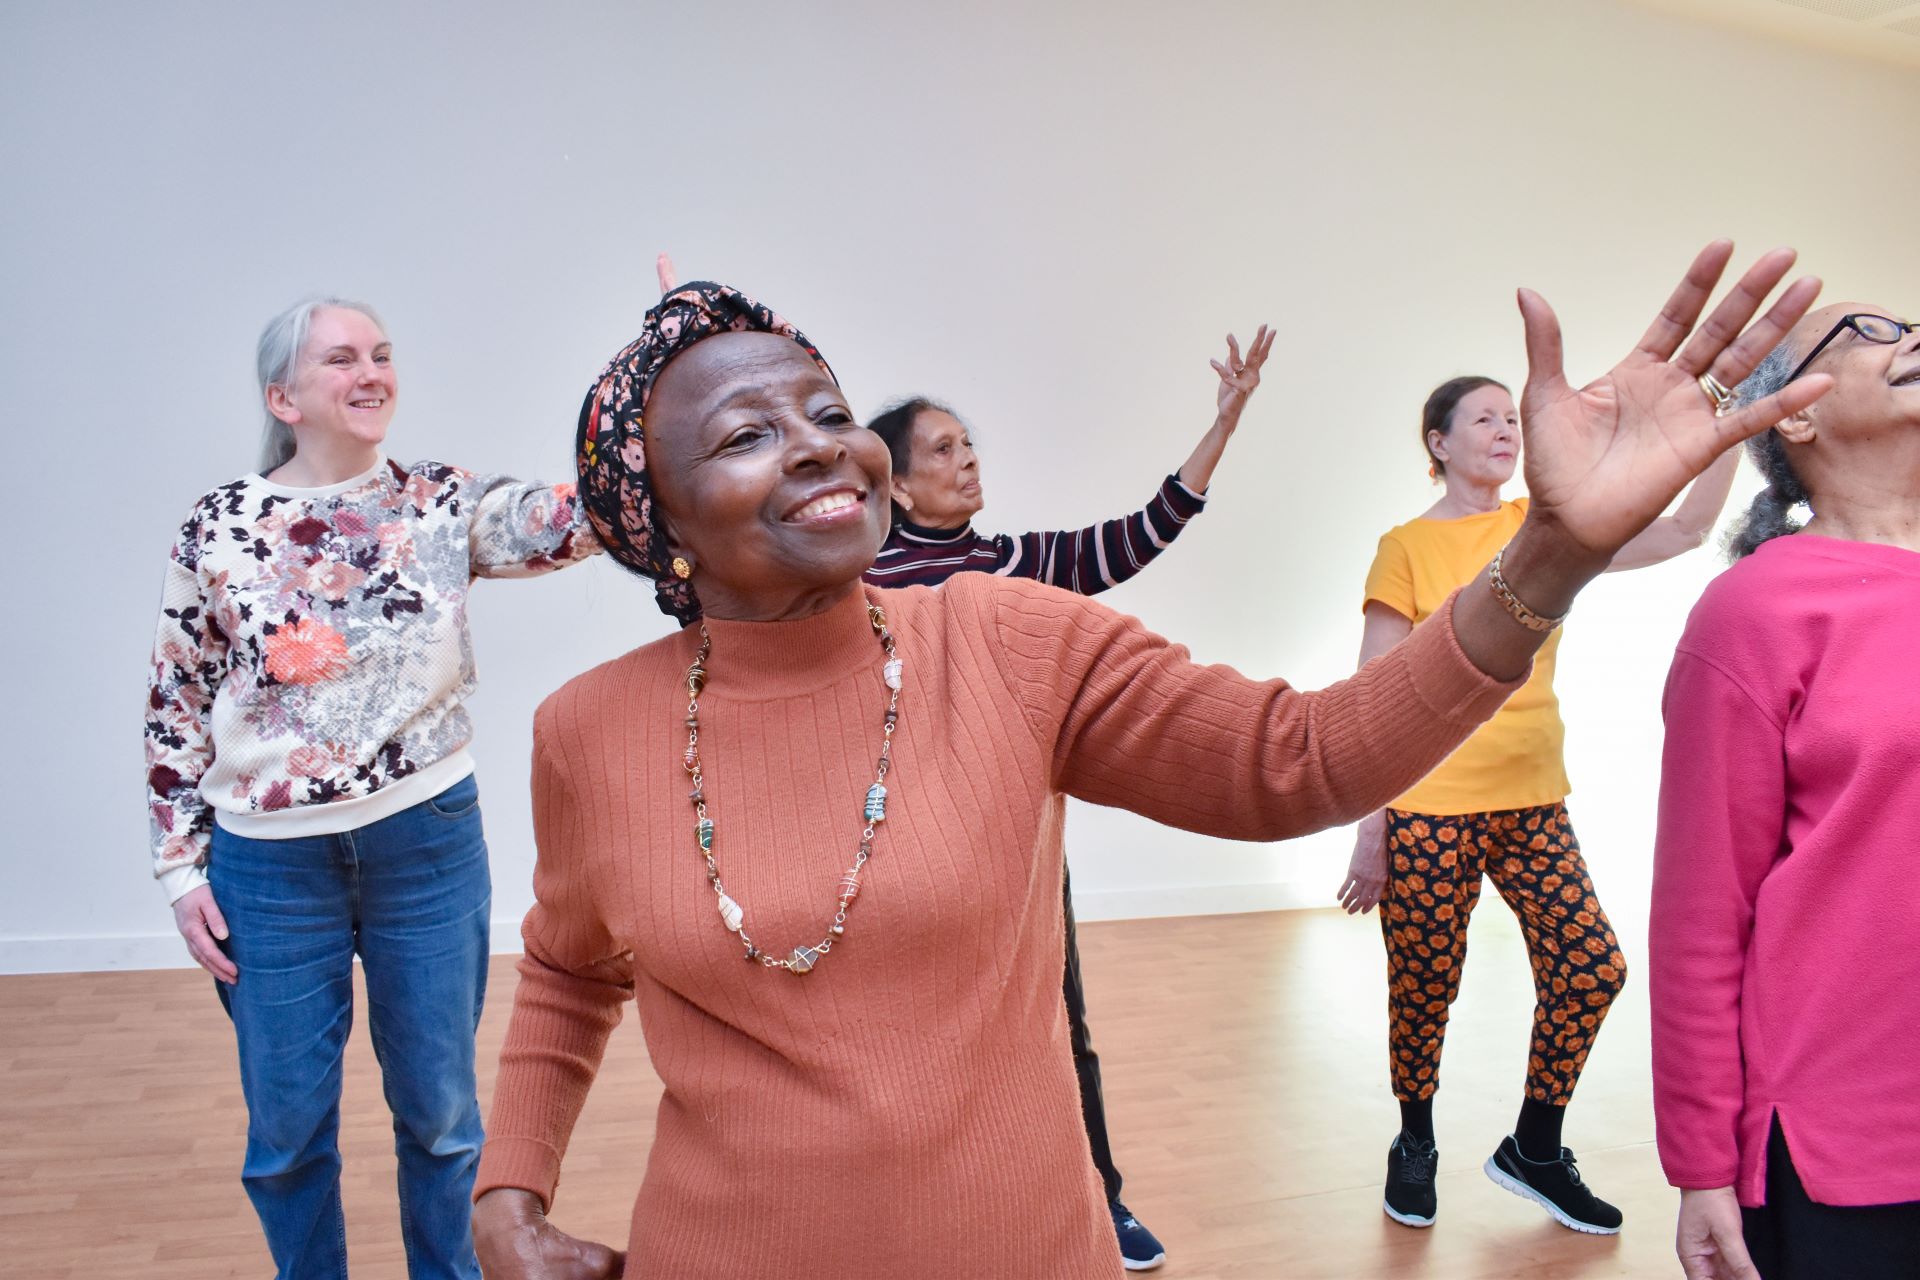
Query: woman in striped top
936	494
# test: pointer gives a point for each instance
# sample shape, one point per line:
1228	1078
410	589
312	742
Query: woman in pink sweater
860	792
1785	947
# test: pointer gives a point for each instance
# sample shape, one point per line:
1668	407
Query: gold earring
681	569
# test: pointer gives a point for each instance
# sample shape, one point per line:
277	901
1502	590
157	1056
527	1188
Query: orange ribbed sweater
907	1110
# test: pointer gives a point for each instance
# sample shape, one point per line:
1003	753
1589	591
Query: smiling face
1481	446
770	488
1863	437
1876	384
941	489
343	386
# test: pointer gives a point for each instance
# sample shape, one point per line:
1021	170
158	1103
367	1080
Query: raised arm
1689	525
1135	725
521	529
574	983
1130	721
1239	379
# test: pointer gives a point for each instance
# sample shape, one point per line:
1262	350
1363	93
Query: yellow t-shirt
1514	761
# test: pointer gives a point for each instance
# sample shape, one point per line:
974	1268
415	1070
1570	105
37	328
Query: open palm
1604	460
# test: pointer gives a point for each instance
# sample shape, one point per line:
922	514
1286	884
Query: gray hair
279	350
1771	513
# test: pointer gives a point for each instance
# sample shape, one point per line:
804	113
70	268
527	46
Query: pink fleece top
1785	942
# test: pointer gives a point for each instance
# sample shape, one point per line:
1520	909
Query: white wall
1048	214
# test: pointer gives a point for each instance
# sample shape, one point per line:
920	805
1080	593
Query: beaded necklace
732	914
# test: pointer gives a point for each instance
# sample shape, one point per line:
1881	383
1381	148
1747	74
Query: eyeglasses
1881	329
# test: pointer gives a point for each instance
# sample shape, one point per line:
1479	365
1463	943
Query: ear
281	406
1437	445
901	498
1798	429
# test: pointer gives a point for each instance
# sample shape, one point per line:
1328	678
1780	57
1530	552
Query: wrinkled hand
514	1241
1709	1240
1366	881
1603	460
198	918
1240	377
663	268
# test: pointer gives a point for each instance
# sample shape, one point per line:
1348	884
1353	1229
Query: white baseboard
166	951
147	951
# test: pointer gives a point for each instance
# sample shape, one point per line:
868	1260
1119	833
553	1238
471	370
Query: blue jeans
409	894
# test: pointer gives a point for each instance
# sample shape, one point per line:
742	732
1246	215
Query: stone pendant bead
876	810
891	673
731	913
849	888
804	958
704	829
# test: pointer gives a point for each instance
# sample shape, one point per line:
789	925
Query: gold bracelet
1521	614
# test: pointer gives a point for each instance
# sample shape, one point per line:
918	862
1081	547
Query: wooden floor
1246	1083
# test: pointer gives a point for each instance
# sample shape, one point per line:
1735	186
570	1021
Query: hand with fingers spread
514	1241
1709	1239
1239	377
198	918
1603	460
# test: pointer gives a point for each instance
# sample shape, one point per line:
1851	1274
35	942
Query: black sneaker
1555	1186
1139	1248
1410	1199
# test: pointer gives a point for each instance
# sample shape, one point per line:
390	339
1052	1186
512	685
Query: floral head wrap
611	451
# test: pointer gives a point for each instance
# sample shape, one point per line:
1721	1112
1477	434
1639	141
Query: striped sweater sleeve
1090	560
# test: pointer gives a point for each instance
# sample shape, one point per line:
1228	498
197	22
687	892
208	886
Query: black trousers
1793	1238
1086	1063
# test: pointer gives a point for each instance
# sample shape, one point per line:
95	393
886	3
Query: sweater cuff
1184	501
523	1163
1446	679
178	882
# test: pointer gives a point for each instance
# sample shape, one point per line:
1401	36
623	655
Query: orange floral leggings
1434	866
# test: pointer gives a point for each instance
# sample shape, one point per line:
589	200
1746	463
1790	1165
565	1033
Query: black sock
1538	1129
1416	1118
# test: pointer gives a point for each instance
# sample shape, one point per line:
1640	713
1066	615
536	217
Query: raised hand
1239	377
514	1241
663	268
1603	460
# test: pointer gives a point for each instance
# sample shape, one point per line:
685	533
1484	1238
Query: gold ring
1718	392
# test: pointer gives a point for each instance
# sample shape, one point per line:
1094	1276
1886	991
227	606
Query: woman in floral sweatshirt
308	783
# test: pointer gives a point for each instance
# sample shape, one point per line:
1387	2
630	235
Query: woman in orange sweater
859	793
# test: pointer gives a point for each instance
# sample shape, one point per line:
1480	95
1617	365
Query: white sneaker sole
1149	1265
1501	1178
1404	1219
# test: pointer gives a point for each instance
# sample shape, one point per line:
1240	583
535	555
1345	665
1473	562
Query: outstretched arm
1133	723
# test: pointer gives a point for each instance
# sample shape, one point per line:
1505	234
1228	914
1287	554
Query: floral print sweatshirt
313	655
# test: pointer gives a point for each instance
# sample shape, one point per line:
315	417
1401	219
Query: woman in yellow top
1496	808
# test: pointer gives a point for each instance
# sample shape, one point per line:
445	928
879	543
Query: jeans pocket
458	800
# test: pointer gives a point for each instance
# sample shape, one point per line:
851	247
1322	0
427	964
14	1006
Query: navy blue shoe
1556	1186
1410	1198
1140	1249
